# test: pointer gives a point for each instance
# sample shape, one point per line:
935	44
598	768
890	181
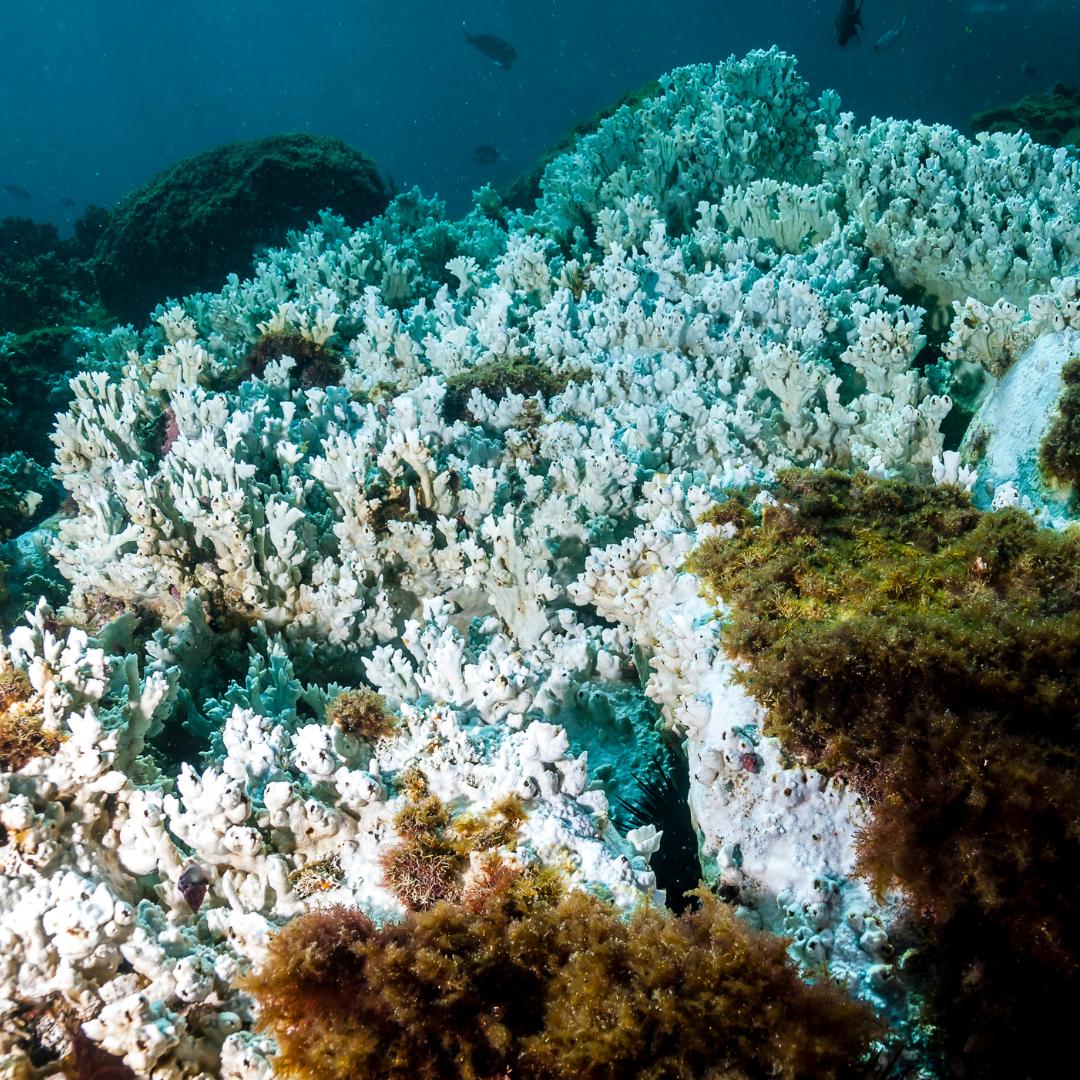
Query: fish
494	48
67	200
192	885
16	192
486	154
1028	70
888	39
849	21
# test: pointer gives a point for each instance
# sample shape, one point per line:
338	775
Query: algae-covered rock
35	370
44	281
1011	438
199	220
1052	118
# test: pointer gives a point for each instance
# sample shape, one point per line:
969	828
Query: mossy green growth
1052	118
46	281
1059	454
497	378
363	713
930	652
204	217
315	364
544	985
428	863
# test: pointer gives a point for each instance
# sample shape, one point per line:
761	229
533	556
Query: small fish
486	154
192	885
494	48
17	192
888	39
1027	69
66	200
849	21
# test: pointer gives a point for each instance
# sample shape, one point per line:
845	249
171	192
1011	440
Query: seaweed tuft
362	713
545	985
1059	454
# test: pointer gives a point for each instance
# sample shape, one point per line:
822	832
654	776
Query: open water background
97	95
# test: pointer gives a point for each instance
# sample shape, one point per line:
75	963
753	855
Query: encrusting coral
546	985
930	652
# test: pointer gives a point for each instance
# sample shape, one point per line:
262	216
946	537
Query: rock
201	219
1007	432
1052	118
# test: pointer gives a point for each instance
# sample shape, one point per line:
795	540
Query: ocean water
97	95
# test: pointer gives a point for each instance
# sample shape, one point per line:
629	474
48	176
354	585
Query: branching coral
543	986
930	652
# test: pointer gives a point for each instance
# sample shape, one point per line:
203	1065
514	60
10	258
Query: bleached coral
988	219
97	837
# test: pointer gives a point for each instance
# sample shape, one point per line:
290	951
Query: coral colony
406	574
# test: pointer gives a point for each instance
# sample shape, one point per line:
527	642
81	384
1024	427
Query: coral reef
562	987
381	616
202	218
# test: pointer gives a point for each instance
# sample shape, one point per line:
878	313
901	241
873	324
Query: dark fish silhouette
17	192
890	37
1027	69
849	21
486	154
66	200
494	48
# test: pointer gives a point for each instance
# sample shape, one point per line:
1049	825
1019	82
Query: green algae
1059	454
930	652
202	218
1052	118
497	378
536	983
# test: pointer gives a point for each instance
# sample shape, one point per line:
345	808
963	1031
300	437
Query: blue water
97	95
